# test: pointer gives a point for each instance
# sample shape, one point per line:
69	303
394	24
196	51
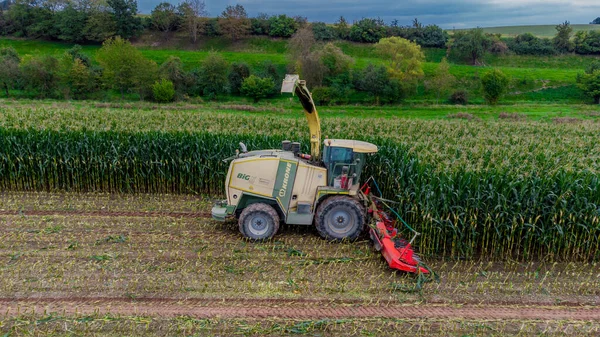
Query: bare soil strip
244	309
153	214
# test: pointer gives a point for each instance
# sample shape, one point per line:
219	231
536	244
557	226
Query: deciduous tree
377	82
125	67
9	68
589	81
342	28
234	22
172	70
442	81
562	40
76	79
124	13
100	26
471	44
404	59
164	17
193	13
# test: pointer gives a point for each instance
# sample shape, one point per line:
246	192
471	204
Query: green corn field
520	190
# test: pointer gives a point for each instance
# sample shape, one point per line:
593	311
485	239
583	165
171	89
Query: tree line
120	69
84	21
81	21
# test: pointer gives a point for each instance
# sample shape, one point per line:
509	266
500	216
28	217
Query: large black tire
259	222
340	217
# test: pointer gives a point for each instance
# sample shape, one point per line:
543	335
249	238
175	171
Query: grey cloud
445	13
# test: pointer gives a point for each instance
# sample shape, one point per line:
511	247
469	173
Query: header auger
267	187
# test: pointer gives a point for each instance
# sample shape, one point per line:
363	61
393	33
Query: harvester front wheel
340	217
259	222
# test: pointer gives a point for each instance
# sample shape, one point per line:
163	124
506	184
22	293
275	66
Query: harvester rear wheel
259	222
340	217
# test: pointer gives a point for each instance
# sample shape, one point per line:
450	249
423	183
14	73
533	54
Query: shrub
257	87
322	95
499	47
529	44
323	32
341	28
212	77
212	28
367	30
377	82
269	69
459	97
341	88
76	79
433	37
587	42
40	74
260	25
334	62
239	72
461	115
9	68
282	26
164	91
76	53
494	83
589	81
172	70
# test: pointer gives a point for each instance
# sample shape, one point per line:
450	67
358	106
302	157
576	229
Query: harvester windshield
343	164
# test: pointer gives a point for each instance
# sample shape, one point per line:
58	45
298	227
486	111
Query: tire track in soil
153	214
289	309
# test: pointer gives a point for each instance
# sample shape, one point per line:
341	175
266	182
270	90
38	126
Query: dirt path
108	213
289	310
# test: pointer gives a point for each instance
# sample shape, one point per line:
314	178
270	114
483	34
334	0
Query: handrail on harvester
294	85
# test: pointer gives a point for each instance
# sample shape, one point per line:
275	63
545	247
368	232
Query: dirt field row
257	309
159	258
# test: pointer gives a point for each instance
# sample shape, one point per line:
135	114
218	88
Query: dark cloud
445	13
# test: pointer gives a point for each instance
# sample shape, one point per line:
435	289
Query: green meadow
534	78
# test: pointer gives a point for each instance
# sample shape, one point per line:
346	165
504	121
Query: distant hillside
538	30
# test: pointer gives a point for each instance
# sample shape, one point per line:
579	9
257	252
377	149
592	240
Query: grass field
538	30
545	78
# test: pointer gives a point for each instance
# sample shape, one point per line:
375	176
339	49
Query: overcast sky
445	13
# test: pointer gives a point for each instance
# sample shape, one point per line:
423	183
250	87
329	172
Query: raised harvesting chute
294	85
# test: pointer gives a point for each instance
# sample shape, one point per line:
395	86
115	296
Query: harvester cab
267	187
